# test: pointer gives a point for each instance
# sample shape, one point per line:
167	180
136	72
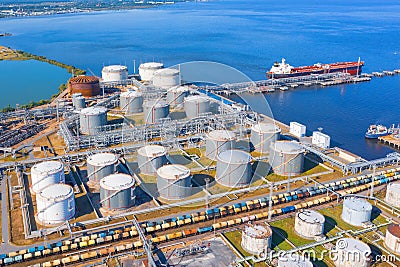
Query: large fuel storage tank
356	211
218	141
88	86
117	191
91	118
393	194
263	134
392	238
46	173
195	105
294	260
351	252
146	70
101	165
55	204
78	101
233	168
256	238
155	110
309	224
286	157
151	158
114	73
174	182
166	78
177	94
131	102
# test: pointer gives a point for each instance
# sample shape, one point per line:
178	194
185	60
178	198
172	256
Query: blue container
204	229
216	210
49	246
32	250
181	218
295	197
111	232
59	244
289	198
102	235
237	205
3	256
150	224
40	248
173	220
188	216
318	191
208	212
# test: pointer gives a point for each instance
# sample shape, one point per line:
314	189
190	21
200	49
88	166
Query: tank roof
257	231
264	127
102	159
76	95
48	167
84	79
132	93
287	147
56	191
179	89
166	72
197	98
311	216
152	151
357	204
299	260
221	135
394	229
155	104
93	111
115	68
117	181
352	244
394	187
151	65
234	156
173	172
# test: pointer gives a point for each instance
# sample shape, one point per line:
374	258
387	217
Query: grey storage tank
196	105
309	224
174	182
351	252
356	211
393	194
131	102
263	134
155	110
117	191
101	165
233	168
78	101
218	141
176	95
91	118
286	157
151	158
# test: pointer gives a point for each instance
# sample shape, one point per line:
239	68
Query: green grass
287	226
235	237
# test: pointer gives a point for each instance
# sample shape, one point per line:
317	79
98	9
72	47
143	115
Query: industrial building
117	191
256	238
356	211
234	168
166	78
155	110
393	194
196	105
297	129
218	141
263	134
151	158
114	73
46	173
147	70
174	182
91	120
131	102
88	86
321	140
286	158
101	165
309	224
352	253
392	238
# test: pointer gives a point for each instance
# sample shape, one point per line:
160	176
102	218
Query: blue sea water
248	35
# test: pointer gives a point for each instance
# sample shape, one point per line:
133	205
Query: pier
391	140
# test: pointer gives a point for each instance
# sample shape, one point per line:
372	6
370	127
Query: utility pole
372	183
270	201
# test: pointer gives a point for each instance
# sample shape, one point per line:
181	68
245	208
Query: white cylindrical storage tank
46	173
117	191
55	204
78	101
256	238
286	158
131	102
196	105
174	182
155	110
392	238
309	224
114	73
218	141
146	70
393	194
233	168
356	211
151	158
166	78
101	165
351	252
294	260
263	134
177	94
91	119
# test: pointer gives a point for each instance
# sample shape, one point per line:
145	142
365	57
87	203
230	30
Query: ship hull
374	135
353	70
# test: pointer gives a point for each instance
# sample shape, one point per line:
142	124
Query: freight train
106	238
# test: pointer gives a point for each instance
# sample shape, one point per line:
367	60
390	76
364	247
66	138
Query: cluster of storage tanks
55	200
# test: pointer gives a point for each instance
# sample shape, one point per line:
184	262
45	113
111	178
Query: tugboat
376	130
